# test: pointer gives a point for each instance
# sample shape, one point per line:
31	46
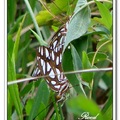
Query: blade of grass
13	89
16	44
34	20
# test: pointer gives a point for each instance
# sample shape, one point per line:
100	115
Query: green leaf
105	48
13	89
105	14
77	63
108	103
12	55
81	44
59	6
10	45
79	4
42	112
16	44
109	112
98	76
23	48
101	29
108	78
108	108
46	17
28	106
67	64
99	57
9	105
55	8
42	43
15	27
41	98
78	25
86	65
26	89
81	104
11	10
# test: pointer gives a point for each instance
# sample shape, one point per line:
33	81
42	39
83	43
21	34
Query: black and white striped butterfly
49	63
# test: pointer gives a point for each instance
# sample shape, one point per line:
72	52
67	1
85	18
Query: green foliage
76	106
106	16
88	45
80	18
41	99
86	65
42	43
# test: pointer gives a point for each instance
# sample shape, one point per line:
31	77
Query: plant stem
92	82
33	18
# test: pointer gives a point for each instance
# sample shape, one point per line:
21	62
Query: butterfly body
49	63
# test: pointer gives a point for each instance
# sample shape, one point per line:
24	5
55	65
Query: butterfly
49	63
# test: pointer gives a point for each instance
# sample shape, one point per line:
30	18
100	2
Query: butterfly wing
49	62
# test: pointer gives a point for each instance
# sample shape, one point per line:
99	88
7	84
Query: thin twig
65	73
92	82
49	114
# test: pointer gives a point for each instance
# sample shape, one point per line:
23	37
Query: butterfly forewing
49	62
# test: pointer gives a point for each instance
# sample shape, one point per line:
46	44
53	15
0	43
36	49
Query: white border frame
114	60
5	65
3	57
117	33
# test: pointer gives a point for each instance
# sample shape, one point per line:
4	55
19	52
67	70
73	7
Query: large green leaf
81	104
78	24
40	99
77	65
68	66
